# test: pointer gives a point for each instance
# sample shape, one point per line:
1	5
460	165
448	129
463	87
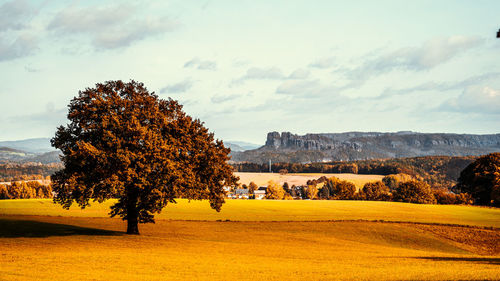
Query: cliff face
288	147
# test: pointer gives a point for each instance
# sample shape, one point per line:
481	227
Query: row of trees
393	188
25	190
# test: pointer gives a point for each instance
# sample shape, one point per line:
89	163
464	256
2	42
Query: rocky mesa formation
288	147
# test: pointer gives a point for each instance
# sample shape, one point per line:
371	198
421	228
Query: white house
260	193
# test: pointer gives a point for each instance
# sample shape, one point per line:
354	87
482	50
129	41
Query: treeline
27	171
25	190
437	171
396	188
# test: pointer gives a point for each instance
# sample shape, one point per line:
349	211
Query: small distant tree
324	192
15	190
283	171
481	179
25	191
45	191
311	191
274	191
252	187
414	192
293	191
4	193
345	190
390	181
375	191
124	142
444	196
286	188
303	192
464	199
340	189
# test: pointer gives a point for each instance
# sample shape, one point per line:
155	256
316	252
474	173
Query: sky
246	68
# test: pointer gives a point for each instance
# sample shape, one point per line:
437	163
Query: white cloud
263	73
15	15
306	88
223	98
323	63
180	87
440	50
480	99
431	54
109	27
300	73
258	73
441	86
24	45
201	64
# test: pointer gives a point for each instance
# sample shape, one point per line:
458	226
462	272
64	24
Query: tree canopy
376	191
124	142
274	191
414	192
481	179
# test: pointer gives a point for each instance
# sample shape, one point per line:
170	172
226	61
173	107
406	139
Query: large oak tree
124	142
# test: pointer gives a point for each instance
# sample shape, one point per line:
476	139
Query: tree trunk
132	226
132	218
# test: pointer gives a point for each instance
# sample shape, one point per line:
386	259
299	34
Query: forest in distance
437	171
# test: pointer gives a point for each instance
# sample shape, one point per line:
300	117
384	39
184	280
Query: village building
260	193
241	193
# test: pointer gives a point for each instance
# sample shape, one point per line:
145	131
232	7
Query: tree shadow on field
486	260
26	228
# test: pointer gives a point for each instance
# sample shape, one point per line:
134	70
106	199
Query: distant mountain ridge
292	148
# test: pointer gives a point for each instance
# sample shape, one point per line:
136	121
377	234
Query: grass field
278	210
265	240
261	179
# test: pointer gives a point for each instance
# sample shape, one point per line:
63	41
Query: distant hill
11	154
234	147
36	150
292	148
46	158
241	145
37	145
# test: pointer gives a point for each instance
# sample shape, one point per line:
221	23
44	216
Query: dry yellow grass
57	244
280	210
261	179
194	250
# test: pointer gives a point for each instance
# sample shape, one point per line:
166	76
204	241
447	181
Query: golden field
261	179
265	240
279	210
